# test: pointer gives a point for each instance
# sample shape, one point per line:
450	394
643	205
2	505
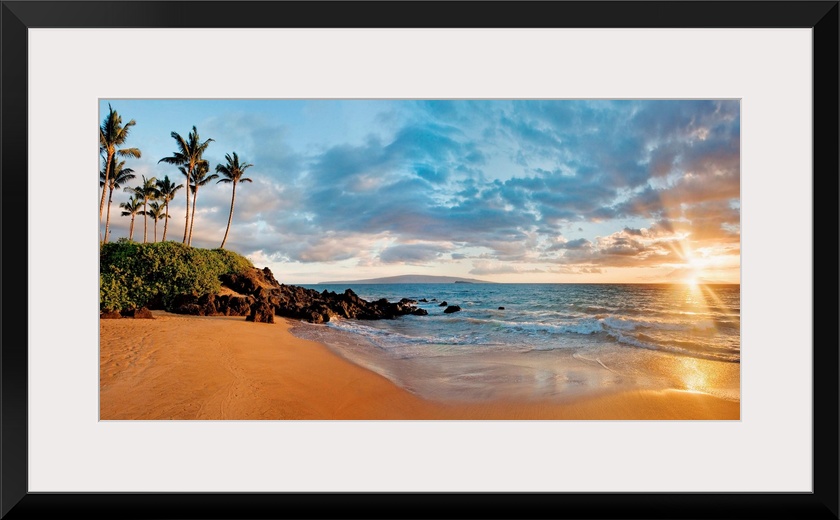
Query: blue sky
502	190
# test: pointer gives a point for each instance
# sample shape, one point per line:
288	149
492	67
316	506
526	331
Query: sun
694	270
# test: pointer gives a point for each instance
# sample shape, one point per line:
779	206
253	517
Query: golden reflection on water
700	375
693	376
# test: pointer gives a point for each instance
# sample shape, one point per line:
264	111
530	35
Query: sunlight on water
693	377
549	340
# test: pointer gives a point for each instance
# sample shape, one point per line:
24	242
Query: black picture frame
19	16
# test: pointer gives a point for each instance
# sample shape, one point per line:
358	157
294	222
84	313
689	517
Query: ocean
546	341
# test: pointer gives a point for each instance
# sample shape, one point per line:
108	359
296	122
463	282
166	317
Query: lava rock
261	312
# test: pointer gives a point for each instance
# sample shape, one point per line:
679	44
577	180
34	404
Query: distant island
408	278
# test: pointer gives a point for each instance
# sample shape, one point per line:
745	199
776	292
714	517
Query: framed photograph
672	164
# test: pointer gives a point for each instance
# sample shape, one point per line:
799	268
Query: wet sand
225	368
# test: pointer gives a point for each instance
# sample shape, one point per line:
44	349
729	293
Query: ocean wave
688	349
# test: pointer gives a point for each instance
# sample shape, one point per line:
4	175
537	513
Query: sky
514	191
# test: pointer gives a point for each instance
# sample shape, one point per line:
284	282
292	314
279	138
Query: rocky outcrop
142	313
451	309
262	312
259	296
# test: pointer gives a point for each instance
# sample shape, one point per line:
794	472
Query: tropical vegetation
112	136
200	178
166	191
131	208
134	275
116	179
188	155
147	190
160	191
231	173
157	212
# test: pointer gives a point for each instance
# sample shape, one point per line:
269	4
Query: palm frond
233	170
202	182
176	158
129	152
132	207
167	188
121	134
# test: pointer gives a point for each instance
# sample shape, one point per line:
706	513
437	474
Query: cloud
441	180
481	267
579	243
412	253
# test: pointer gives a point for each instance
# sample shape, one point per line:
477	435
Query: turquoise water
549	340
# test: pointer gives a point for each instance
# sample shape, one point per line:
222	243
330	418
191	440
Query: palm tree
188	155
112	133
118	176
232	173
199	178
146	191
131	208
157	212
167	189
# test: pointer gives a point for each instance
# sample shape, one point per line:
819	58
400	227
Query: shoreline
178	367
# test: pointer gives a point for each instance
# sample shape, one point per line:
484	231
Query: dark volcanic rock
259	294
268	278
501	308
191	309
204	305
443	304
185	304
424	300
231	305
143	313
261	312
451	309
207	305
420	312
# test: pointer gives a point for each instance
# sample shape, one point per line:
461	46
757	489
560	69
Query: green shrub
133	275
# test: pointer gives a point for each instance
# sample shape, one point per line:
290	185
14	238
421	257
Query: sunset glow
519	191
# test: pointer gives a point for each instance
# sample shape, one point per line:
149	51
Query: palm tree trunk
107	173
187	216
102	200
131	229
155	230
108	214
192	218
145	219
166	221
230	216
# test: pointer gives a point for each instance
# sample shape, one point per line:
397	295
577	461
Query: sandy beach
179	367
